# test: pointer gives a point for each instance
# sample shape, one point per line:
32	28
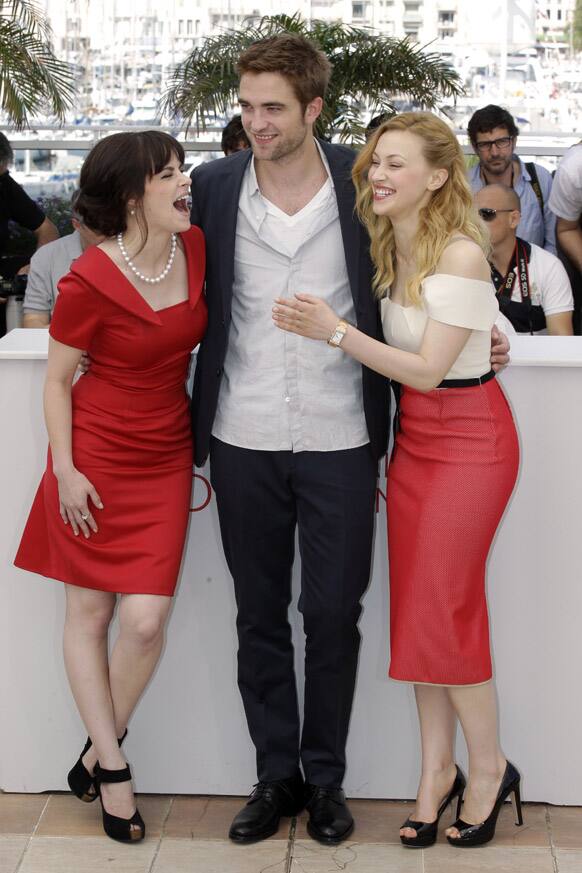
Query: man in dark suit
294	436
294	428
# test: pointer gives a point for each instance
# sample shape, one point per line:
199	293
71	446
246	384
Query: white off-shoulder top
452	300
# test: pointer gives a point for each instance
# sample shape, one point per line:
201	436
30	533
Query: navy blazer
215	195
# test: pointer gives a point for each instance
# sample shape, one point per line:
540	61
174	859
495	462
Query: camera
14	287
13	291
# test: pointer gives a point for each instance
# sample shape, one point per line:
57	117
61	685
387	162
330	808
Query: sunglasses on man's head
488	214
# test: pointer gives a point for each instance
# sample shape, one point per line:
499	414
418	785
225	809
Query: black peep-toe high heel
125	830
80	780
479	834
426	832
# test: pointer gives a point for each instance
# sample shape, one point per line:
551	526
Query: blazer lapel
341	168
233	176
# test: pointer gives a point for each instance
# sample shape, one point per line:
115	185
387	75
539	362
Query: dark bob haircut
115	172
488	118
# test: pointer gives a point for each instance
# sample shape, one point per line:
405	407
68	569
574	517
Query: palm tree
32	79
368	70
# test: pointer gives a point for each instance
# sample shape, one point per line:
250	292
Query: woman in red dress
456	457
111	512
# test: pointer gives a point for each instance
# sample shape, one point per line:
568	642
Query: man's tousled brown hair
293	56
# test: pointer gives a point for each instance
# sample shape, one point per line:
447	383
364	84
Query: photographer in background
16	205
533	289
48	266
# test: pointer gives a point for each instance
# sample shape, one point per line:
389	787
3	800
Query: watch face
338	334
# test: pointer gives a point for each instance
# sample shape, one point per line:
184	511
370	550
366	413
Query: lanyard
518	268
518	260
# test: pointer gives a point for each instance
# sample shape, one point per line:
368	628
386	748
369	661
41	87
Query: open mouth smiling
183	204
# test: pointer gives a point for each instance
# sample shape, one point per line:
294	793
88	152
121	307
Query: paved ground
42	833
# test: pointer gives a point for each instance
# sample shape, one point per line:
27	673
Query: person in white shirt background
538	298
566	202
48	266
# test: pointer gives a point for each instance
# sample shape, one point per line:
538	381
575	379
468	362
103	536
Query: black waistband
465	383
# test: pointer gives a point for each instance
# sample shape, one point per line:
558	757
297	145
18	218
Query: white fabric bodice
451	300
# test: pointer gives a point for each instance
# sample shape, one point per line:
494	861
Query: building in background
125	50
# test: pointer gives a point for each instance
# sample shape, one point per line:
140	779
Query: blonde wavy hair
449	212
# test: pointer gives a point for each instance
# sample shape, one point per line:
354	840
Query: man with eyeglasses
532	285
493	134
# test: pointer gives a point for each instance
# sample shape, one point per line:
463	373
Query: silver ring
84	517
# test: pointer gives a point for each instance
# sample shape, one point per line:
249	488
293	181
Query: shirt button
219	371
287	400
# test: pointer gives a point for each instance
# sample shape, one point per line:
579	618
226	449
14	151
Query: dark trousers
262	496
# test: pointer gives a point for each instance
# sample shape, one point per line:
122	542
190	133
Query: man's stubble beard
287	149
499	171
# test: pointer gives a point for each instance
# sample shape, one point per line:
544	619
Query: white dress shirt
280	391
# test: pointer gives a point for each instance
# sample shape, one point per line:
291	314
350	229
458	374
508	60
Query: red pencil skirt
451	475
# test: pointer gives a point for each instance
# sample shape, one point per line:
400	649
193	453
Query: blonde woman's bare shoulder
465	258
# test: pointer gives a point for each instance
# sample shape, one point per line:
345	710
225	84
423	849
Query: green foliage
369	70
577	27
32	79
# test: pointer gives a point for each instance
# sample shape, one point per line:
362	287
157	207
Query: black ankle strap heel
81	782
125	830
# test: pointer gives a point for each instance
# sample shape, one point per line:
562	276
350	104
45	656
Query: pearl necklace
151	280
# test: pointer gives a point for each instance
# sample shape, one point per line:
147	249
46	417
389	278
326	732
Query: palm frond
28	14
32	79
370	71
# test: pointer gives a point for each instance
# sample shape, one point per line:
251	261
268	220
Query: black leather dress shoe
260	817
330	820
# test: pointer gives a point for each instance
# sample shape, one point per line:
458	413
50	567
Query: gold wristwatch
338	334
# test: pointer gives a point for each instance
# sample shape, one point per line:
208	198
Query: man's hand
24	271
84	364
499	350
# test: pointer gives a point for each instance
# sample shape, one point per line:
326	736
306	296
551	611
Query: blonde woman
455	461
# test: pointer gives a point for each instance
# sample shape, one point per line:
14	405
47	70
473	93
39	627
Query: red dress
131	432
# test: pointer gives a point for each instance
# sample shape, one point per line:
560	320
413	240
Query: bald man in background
532	285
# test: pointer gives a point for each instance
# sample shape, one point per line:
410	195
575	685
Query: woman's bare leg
437	730
142	623
476	709
135	654
142	620
87	620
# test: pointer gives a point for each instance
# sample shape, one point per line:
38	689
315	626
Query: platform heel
81	782
426	832
479	834
124	830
